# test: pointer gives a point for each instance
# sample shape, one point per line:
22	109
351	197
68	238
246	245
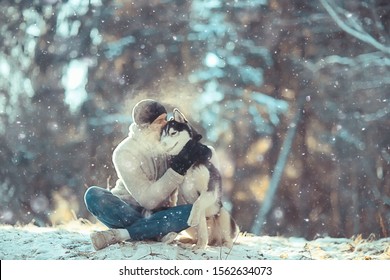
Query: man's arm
149	194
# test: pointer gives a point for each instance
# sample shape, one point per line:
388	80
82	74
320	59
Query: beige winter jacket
145	178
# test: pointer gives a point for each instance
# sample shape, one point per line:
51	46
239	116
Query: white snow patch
71	242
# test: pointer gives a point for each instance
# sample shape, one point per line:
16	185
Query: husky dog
210	223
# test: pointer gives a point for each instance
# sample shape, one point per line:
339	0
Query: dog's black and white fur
210	223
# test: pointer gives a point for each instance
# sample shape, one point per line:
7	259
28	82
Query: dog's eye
173	133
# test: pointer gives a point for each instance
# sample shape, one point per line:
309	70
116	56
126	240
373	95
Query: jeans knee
92	197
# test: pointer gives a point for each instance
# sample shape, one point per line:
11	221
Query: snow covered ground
71	242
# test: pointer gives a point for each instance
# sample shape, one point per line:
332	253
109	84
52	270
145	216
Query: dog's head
177	132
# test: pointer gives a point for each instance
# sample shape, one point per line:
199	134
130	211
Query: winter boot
169	238
102	239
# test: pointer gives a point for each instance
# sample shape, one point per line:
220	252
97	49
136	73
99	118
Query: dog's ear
178	116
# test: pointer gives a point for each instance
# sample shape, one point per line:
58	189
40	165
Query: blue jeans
116	213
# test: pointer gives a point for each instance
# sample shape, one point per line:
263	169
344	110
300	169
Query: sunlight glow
74	81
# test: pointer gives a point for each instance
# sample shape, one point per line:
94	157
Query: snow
71	242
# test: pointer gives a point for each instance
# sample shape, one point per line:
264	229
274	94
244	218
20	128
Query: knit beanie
146	111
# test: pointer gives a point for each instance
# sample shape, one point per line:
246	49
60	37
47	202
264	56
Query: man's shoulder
124	148
125	143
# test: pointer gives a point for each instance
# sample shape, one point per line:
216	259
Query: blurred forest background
294	95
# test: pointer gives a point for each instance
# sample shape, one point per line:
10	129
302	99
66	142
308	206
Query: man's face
158	123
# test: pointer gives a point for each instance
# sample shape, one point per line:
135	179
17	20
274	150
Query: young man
137	207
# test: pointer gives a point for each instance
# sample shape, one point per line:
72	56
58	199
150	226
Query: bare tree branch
361	61
357	31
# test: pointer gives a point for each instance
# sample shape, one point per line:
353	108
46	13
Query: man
137	207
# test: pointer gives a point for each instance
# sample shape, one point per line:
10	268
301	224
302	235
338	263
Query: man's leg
110	209
159	224
120	216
